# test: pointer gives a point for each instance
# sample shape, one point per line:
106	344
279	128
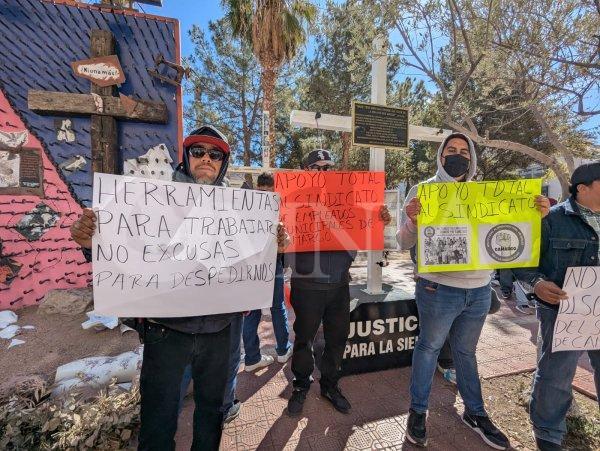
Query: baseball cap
321	157
207	134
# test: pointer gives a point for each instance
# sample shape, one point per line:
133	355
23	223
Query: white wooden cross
307	119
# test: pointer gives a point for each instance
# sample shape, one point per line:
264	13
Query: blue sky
189	12
200	12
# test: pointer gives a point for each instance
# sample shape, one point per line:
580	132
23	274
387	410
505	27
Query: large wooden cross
103	106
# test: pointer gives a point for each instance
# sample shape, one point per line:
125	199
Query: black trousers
166	354
332	307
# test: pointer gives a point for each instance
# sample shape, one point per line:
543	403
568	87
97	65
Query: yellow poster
478	225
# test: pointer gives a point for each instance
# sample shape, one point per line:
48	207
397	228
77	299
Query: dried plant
106	421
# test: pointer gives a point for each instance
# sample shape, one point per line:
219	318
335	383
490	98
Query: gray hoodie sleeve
407	233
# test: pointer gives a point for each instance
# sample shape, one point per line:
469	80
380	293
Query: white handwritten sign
168	249
577	326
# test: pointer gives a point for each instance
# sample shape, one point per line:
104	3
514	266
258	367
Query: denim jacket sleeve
529	275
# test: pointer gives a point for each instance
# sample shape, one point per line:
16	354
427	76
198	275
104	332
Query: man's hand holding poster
329	211
169	249
478	225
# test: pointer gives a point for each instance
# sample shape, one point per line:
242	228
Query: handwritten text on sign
479	225
168	249
577	326
328	211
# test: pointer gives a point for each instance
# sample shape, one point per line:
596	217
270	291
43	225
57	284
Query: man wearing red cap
171	344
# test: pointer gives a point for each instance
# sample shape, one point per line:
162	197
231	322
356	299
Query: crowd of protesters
452	306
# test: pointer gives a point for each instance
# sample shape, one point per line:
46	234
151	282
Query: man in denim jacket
570	236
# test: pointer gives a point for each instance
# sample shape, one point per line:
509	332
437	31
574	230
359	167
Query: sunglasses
213	154
316	167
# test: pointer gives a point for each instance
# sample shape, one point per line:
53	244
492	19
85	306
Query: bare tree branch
463	31
589	65
549	161
553	137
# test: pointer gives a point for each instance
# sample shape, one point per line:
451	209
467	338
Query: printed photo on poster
445	245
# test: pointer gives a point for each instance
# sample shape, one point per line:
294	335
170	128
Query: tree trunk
268	79
554	139
346	145
546	160
245	132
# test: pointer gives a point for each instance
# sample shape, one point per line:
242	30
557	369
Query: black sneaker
416	432
233	412
296	402
334	395
506	294
545	445
486	429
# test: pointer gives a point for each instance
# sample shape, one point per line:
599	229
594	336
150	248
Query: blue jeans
456	313
552	393
280	324
506	279
234	365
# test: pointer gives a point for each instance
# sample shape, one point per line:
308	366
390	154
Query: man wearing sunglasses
171	344
320	294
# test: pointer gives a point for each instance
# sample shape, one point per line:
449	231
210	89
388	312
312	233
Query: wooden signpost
102	71
103	106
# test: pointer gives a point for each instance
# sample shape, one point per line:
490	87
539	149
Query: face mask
456	165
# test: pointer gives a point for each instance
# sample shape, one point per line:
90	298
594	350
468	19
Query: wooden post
103	128
104	105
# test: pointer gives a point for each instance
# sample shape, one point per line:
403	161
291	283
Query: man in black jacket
170	344
320	293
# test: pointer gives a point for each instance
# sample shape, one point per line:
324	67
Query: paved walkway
380	400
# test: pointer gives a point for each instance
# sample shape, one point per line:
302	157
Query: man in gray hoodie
450	304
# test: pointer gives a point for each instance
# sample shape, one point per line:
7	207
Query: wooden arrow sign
102	71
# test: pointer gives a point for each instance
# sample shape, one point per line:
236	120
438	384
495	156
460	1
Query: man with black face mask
450	304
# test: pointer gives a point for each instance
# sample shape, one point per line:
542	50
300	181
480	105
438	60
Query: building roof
40	39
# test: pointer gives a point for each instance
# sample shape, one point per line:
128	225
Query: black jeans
166	354
311	307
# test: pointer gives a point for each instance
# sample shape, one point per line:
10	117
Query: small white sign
577	326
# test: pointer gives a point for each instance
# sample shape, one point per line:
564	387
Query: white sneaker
265	360
285	357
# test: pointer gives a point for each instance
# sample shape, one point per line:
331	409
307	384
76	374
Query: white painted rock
69	302
9	332
7	317
97	372
15	342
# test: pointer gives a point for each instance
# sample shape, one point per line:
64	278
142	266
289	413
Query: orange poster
330	211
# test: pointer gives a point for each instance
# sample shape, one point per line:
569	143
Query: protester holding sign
450	304
172	343
320	293
570	235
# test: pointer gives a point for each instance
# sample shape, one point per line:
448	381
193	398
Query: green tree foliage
275	30
226	89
